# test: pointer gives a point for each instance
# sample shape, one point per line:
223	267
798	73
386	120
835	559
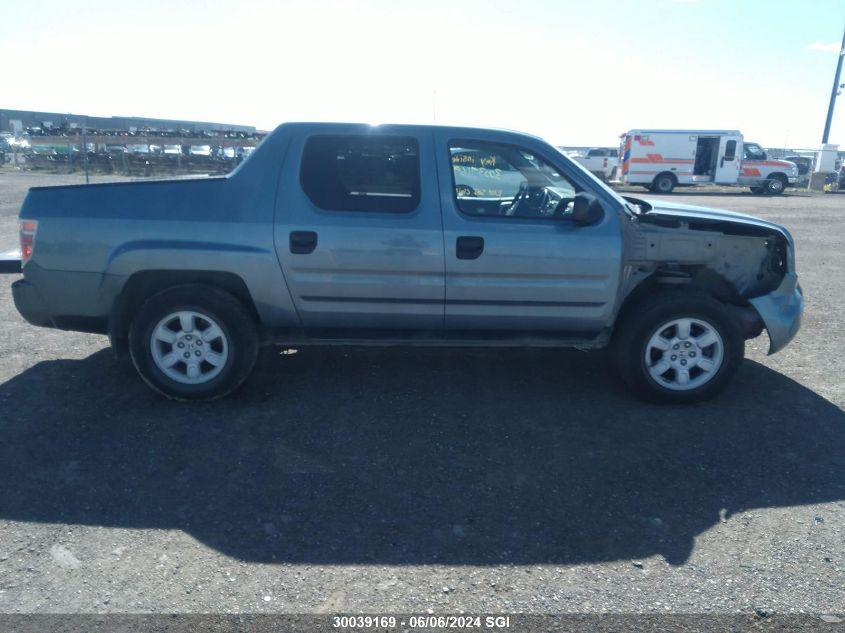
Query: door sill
440	338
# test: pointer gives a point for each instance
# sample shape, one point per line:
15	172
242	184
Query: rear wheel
193	342
663	183
678	346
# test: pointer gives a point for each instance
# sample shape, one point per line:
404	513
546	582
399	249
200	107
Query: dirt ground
340	481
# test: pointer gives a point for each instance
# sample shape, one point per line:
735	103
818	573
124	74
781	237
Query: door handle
723	162
303	242
469	247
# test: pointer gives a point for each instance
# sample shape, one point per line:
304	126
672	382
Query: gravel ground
429	480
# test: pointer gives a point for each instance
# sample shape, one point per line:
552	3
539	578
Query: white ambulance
661	160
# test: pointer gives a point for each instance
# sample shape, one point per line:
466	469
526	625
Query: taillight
28	229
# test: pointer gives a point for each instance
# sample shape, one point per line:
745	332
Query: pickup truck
348	234
601	162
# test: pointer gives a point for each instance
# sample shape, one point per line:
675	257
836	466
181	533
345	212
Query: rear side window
730	150
369	172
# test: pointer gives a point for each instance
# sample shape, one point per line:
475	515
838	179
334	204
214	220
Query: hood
729	222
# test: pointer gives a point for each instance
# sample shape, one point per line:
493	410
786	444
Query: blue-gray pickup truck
347	234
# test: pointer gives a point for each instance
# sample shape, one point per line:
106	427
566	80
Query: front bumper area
30	304
781	312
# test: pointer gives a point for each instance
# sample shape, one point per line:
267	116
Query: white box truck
661	160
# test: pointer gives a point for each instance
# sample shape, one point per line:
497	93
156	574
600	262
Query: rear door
729	160
511	265
358	229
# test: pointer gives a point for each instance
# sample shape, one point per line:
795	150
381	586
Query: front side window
752	151
367	172
503	180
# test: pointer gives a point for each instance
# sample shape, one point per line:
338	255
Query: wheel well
142	285
667	173
698	278
780	176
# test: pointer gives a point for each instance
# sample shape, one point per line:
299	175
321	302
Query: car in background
201	155
139	149
171	155
603	162
804	163
114	150
242	153
227	153
5	149
200	150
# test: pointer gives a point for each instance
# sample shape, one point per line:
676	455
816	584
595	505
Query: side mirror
586	209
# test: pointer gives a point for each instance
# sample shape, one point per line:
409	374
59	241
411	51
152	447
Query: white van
661	160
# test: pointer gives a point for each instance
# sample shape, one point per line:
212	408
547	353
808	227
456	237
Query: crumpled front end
745	262
781	311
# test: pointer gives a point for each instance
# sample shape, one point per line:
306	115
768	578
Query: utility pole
834	92
85	148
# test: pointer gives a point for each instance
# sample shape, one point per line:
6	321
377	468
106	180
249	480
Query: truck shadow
413	457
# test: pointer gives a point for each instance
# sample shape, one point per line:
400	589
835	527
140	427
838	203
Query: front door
358	230
513	260
728	163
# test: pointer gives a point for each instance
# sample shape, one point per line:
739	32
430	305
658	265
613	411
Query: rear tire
663	183
678	346
193	342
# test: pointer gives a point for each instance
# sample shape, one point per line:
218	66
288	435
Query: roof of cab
402	126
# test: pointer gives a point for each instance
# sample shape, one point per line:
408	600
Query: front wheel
193	342
775	185
679	346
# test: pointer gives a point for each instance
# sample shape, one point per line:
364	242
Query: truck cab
764	175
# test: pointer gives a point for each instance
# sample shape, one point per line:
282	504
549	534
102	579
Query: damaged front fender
781	311
743	261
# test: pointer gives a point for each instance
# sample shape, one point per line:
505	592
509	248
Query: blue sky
574	72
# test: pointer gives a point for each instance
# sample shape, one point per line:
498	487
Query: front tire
678	346
193	342
775	185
